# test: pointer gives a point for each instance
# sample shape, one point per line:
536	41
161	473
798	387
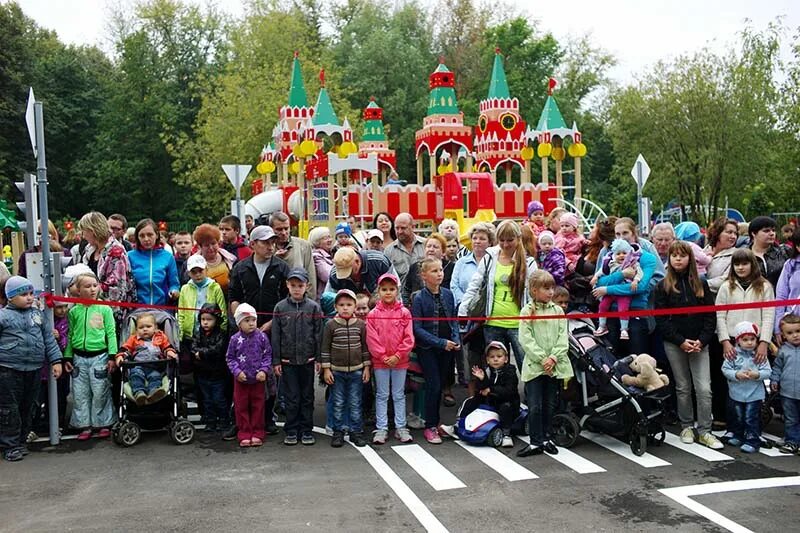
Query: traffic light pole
47	268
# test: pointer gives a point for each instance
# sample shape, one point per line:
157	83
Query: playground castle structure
321	175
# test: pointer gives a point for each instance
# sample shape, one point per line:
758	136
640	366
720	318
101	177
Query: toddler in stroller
146	345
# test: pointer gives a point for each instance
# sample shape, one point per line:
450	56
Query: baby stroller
600	402
168	413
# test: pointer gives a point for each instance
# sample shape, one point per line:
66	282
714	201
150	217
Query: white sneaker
403	435
380	436
709	440
687	436
508	442
415	422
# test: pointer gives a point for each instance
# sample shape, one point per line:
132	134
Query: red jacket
239	249
128	349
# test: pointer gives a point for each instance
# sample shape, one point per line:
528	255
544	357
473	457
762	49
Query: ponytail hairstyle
507	230
540	279
682	248
755	279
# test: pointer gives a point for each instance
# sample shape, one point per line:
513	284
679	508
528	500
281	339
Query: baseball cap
343	260
196	261
388	276
262	233
496	344
344	293
298	273
375	234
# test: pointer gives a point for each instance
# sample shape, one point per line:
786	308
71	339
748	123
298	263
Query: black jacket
296	332
212	349
772	263
677	328
245	287
502	384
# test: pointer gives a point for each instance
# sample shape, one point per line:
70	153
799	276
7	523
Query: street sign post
640	173
236	175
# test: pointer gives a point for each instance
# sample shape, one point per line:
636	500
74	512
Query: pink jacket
572	246
389	332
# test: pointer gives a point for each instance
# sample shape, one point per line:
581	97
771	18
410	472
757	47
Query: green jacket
541	339
91	329
188	308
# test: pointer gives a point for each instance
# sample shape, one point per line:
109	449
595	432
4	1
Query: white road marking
499	462
683	496
570	459
695	449
622	449
428	468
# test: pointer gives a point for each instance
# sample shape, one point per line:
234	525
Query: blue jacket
26	339
748	390
786	371
156	275
616	285
426	332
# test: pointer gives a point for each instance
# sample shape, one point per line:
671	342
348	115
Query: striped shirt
344	345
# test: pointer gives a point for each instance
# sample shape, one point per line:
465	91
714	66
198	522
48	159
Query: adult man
249	223
118	224
295	251
407	249
357	270
230	226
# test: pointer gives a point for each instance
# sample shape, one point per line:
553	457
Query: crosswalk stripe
499	462
773	452
695	449
622	449
428	468
570	459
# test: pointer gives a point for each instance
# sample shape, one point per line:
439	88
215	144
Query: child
148	343
569	240
249	359
623	258
390	338
746	389
364	304
296	340
497	387
551	258
183	248
194	295
209	346
60	331
343	235
433	339
89	358
561	298
536	217
230	227
26	343
546	362
786	379
345	365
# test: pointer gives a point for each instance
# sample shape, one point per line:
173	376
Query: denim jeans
215	406
18	393
791	419
509	337
541	393
145	379
746	422
386	380
346	394
91	393
691	370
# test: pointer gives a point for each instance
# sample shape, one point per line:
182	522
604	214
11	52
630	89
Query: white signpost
640	173
236	175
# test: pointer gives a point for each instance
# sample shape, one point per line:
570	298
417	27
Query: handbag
477	306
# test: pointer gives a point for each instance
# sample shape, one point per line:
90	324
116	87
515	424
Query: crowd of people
384	313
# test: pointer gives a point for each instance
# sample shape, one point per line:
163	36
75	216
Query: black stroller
168	413
597	400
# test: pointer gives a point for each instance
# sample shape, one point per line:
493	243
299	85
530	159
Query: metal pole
41	180
639	195
238	180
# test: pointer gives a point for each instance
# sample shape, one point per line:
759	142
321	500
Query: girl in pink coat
569	240
390	338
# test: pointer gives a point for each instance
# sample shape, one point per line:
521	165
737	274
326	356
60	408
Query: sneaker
550	448
415	422
272	429
747	448
156	395
329	431
140	398
308	439
727	436
31	437
379	436
788	447
623	335
290	439
687	436
733	441
403	435
599	332
86	434
529	450
13	455
710	441
103	433
338	439
231	433
358	439
432	436
446	431
508	442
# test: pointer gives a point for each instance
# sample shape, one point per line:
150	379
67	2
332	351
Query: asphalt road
212	485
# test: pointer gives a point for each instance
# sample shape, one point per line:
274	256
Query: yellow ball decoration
573	150
297	152
527	153
269	167
581	149
442	169
351	147
294	168
558	154
544	150
308	148
260	168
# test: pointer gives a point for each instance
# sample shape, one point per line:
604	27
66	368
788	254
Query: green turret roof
323	111
551	116
297	90
373	129
442	100
498	87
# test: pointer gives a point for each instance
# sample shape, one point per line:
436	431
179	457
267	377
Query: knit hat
759	223
688	231
244	311
569	219
342	227
344	293
745	328
534	206
72	272
17	285
546	235
621	245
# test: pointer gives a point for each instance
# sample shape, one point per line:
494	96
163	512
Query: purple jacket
788	288
249	354
555	262
62	326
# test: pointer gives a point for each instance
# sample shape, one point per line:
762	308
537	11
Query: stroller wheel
565	430
495	437
638	440
128	433
766	414
182	432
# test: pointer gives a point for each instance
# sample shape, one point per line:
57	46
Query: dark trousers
719	384
506	410
746	422
215	407
298	394
434	363
639	333
19	391
541	393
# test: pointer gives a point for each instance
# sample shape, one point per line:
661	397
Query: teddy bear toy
647	376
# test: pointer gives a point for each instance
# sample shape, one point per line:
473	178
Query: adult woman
384	222
664	235
108	260
321	244
219	261
769	254
154	269
579	286
506	270
55	246
435	247
788	287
